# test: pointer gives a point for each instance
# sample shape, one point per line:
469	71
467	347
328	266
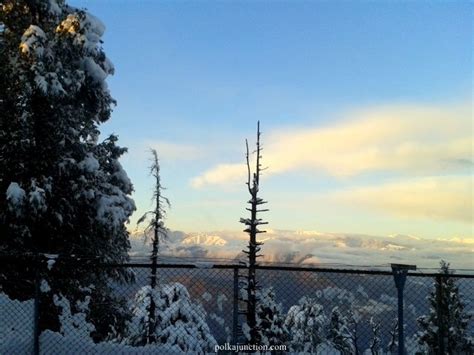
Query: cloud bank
311	247
438	198
398	139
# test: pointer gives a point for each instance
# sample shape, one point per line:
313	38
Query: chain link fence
196	309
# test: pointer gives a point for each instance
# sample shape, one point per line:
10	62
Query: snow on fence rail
196	308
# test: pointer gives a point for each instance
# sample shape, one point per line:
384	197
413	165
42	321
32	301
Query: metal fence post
400	275
235	313
36	331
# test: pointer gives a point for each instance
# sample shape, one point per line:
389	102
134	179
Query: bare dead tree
254	247
157	230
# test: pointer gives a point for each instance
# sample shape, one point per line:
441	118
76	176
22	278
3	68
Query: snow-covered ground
16	334
16	326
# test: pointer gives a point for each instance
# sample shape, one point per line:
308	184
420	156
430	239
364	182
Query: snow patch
15	337
246	330
54	7
220	300
216	318
32	41
37	198
85	29
57	343
15	195
94	70
206	296
50	263
44	286
89	164
114	210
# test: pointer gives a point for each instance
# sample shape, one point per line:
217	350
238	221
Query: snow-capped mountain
204	239
312	247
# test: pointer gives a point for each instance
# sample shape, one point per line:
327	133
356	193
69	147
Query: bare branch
248	164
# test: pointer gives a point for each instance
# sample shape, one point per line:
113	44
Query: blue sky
192	79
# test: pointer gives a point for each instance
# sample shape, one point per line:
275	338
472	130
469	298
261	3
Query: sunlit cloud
438	198
220	175
412	140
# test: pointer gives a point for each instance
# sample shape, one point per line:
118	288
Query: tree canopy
62	189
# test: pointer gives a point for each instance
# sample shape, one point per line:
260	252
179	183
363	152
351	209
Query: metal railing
208	306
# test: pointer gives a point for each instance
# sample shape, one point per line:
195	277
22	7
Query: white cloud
399	139
220	175
445	198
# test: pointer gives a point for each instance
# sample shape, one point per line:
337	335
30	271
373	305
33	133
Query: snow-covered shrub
339	333
306	323
74	324
16	332
179	323
270	319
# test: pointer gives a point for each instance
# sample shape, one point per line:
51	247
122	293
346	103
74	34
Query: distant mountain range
313	247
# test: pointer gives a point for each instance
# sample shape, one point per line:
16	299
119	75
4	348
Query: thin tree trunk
253	246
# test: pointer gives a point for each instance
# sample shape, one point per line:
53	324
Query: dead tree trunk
252	223
157	220
155	225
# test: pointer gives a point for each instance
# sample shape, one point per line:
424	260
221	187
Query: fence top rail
212	265
287	268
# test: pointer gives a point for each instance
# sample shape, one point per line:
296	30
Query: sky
365	110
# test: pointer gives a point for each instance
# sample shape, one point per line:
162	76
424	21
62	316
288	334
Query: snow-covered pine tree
180	323
61	190
307	324
445	328
270	319
339	334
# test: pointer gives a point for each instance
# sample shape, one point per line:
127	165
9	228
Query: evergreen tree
270	319
445	329
61	190
339	334
180	323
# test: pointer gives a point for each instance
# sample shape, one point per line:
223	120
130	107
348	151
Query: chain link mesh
203	312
